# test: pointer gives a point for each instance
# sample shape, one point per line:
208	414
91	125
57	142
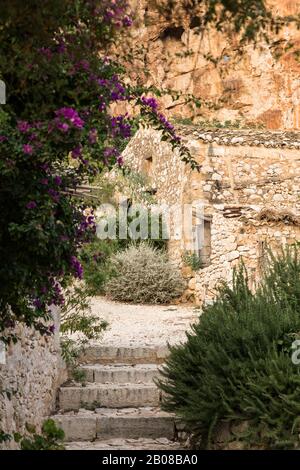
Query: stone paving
126	444
118	407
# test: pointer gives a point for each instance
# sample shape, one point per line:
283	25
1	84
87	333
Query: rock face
28	381
261	85
248	186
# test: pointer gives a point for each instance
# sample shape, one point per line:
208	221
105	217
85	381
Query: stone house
249	183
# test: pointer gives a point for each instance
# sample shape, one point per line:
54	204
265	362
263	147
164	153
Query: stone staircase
118	405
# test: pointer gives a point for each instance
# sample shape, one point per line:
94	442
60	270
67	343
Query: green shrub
143	274
192	260
95	259
50	439
76	317
236	365
4	436
96	256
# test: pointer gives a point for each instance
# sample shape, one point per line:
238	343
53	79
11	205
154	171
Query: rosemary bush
236	365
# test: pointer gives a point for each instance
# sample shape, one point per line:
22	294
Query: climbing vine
57	130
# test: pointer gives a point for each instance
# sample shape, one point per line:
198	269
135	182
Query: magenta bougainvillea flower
31	205
23	126
28	149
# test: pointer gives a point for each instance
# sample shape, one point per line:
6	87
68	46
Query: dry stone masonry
29	380
249	184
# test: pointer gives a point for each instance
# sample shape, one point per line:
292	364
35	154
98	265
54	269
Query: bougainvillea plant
57	131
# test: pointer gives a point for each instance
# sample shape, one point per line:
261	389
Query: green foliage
76	318
79	375
4	436
70	352
50	439
236	365
144	274
95	258
76	314
47	61
192	260
57	132
133	185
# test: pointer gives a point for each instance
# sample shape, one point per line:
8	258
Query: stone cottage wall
235	240
31	376
146	153
244	176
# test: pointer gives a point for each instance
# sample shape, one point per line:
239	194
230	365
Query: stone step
107	423
95	354
92	396
126	444
120	373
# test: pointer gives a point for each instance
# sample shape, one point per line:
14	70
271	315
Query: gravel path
143	325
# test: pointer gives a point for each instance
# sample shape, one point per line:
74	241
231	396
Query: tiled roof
255	138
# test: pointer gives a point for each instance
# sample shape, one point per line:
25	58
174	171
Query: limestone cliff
260	85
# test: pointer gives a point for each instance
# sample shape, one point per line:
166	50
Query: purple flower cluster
46	52
23	126
110	153
102	82
76	152
58	298
93	136
113	86
119	92
120	127
71	116
82	65
28	149
127	21
54	195
76	266
45	167
87	223
38	303
115	13
153	105
102	104
63	126
151	102
57	180
120	160
31	205
167	125
61	48
3	138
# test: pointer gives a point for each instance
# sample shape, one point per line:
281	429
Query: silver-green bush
144	275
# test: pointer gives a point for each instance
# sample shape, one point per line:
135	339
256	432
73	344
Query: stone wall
232	240
146	153
249	185
260	85
31	376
